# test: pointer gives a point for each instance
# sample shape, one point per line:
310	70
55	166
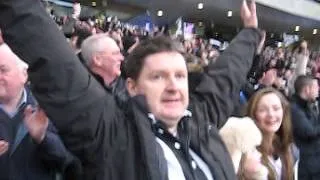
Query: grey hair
93	44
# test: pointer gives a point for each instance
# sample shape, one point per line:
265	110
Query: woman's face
269	113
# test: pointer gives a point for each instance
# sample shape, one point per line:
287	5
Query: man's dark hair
301	82
135	60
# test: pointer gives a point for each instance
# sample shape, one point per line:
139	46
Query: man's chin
173	116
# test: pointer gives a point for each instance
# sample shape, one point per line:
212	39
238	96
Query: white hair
20	64
93	44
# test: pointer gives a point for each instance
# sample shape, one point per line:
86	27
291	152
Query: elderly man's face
111	58
12	77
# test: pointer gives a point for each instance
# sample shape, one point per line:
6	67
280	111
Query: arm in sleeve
221	84
302	128
70	96
54	153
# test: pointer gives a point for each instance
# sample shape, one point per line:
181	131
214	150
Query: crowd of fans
200	52
125	103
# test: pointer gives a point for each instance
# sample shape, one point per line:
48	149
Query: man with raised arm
165	133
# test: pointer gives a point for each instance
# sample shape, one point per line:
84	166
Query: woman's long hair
283	139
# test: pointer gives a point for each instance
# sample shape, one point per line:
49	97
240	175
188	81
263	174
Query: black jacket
306	131
117	88
114	144
25	159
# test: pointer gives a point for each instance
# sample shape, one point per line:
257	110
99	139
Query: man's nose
172	84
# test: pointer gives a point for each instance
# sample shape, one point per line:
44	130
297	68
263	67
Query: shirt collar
153	119
155	123
23	100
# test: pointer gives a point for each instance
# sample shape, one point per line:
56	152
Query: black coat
116	88
25	159
114	144
306	131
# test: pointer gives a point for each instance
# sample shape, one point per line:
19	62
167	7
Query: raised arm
220	86
302	60
62	86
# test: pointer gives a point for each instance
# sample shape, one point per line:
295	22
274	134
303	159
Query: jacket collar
109	87
139	113
21	133
21	103
300	101
22	129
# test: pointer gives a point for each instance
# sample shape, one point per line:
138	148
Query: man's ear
96	60
304	91
132	87
307	90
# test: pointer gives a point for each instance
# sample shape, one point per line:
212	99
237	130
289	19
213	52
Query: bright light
200	23
279	44
160	13
297	28
200	5
229	13
94	3
315	31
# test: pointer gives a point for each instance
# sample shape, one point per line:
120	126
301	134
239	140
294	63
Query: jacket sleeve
302	127
53	152
221	84
70	96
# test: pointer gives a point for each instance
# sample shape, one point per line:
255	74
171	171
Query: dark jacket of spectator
306	131
114	144
117	88
26	159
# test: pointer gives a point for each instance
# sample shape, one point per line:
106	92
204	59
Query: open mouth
272	123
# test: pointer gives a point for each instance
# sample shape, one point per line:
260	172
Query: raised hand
76	10
249	14
36	123
304	47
